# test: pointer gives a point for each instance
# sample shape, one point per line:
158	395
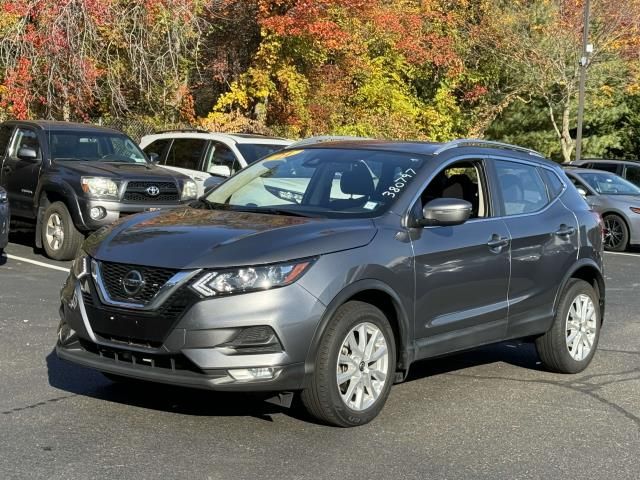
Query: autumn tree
530	52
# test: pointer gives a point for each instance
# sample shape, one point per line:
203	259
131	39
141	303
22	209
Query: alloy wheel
614	234
581	327
55	231
362	366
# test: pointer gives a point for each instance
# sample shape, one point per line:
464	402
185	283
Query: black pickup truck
72	179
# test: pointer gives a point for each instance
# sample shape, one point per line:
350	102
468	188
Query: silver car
616	199
4	219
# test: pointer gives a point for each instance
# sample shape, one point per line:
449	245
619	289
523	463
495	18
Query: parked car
72	179
5	219
627	169
208	158
337	293
617	200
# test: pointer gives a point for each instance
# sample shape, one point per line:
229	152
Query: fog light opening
262	373
97	213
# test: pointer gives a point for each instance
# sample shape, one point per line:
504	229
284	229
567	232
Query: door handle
565	231
496	243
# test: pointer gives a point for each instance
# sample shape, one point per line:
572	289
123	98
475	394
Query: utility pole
584	61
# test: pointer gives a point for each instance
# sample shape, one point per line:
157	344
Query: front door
21	171
462	271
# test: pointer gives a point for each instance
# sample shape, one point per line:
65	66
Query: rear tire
357	349
60	237
570	344
616	236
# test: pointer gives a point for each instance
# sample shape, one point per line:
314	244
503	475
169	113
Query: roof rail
325	138
186	130
476	142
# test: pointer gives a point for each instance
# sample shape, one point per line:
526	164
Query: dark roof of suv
49	125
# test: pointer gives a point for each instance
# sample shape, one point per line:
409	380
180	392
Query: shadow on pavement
23	233
82	381
186	401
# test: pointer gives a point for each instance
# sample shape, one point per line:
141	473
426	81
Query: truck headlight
101	187
189	190
249	279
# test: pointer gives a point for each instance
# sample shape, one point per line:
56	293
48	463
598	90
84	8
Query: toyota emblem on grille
132	282
153	191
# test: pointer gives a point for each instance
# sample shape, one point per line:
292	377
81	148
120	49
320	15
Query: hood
119	170
186	238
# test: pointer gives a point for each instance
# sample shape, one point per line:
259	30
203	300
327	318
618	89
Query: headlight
189	190
80	266
100	187
249	279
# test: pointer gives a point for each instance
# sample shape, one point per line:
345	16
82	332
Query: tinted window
607	167
158	147
554	185
633	174
522	188
5	136
255	151
25	139
186	153
94	146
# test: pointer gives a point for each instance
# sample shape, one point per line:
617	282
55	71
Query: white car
208	157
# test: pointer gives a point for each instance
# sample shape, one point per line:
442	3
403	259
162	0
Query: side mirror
220	170
26	153
582	191
153	157
445	212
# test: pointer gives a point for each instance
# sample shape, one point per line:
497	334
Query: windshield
609	184
255	151
319	182
94	146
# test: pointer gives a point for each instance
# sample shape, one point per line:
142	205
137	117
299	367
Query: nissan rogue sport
329	269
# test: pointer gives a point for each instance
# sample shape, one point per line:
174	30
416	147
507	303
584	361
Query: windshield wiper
272	211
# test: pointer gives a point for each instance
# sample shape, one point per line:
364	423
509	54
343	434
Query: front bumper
195	352
115	209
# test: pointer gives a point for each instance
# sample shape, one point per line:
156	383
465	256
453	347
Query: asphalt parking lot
490	413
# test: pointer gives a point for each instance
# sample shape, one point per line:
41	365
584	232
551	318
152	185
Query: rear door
20	172
544	240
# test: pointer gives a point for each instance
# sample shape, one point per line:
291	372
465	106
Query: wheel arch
589	271
382	296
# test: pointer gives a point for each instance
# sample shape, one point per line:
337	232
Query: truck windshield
94	146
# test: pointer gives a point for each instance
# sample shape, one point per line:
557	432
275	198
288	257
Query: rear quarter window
553	183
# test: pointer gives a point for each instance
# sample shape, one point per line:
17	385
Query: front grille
134	327
137	192
154	279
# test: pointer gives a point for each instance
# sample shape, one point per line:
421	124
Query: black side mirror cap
445	212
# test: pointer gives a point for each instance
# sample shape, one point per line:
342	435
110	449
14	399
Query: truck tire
60	237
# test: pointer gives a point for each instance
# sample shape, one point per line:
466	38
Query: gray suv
329	269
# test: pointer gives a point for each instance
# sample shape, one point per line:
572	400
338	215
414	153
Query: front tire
570	344
354	367
60	237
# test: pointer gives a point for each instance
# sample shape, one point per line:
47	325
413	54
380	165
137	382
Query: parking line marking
623	254
35	262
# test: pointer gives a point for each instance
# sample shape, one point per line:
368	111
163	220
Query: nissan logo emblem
153	191
132	282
